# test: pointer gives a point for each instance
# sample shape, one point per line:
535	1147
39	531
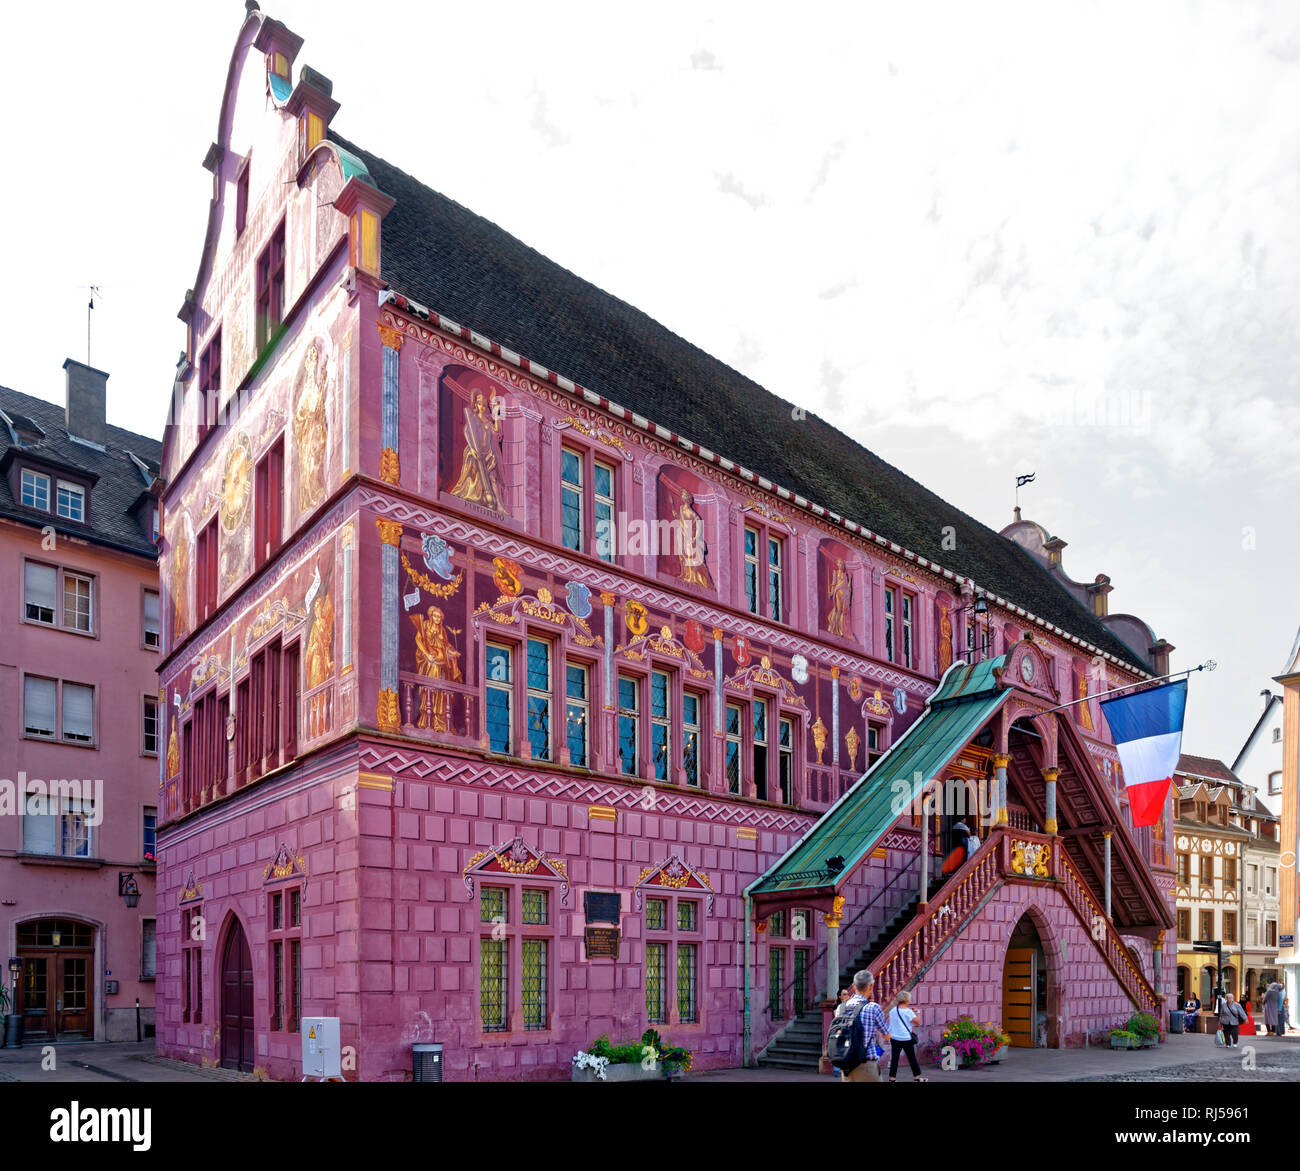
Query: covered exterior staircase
1065	860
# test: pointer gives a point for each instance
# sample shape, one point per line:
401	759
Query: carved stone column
1050	776
832	919
389	465
1000	762
390	533
1106	838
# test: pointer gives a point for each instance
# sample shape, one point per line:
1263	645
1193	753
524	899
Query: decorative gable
283	867
515	858
675	875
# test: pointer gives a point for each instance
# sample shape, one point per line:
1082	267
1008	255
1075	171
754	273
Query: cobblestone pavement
99	1061
1271	1065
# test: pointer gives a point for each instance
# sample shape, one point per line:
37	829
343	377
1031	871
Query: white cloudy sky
983	239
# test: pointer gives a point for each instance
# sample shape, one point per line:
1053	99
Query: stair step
781	1063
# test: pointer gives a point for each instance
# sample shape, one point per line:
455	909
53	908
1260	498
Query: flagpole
1208	665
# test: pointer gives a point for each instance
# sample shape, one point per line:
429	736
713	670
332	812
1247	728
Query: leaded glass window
656	1003
534	984
686	971
492	985
535	908
656	914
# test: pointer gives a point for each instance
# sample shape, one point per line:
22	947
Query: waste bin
1176	1020
427	1063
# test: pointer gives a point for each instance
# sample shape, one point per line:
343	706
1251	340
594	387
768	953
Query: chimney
85	406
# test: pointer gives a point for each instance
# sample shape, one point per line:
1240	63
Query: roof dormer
281	46
313	107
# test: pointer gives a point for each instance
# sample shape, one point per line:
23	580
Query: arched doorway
1184	983
236	1001
1025	988
57	982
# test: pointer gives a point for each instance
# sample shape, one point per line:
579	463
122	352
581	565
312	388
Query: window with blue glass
734	743
604	511
539	698
629	725
570	498
751	570
150	833
577	713
498	697
691	737
775	598
659	723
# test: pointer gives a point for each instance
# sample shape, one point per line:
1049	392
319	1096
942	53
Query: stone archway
1031	992
235	998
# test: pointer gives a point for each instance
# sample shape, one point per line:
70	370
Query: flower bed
644	1060
975	1044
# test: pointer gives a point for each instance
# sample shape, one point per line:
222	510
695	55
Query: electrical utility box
321	1056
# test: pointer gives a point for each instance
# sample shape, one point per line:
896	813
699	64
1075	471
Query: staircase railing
921	938
1091	914
908	871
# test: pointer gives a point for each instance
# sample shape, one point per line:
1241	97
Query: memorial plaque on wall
602	906
603	942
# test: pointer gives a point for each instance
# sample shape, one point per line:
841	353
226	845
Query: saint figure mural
693	550
1085	709
309	426
435	658
945	640
840	595
480	479
320	643
180	590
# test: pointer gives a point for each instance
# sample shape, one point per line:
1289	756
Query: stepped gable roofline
458	269
113	474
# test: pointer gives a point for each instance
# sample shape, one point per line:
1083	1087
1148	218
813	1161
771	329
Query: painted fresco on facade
681	536
471	408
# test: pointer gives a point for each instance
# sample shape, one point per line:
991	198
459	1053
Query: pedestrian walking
1273	1008
1231	1017
902	1037
873	1026
1284	1016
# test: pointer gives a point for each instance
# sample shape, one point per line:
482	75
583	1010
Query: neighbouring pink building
79	648
523	664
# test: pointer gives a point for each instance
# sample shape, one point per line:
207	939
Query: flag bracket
1208	665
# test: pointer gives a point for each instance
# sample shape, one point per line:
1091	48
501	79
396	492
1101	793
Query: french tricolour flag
1148	731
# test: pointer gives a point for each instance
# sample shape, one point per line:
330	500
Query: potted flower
1145	1028
648	1059
1121	1038
974	1044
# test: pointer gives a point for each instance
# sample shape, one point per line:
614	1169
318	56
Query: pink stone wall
967	977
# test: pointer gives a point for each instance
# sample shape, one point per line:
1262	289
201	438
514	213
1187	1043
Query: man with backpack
851	1040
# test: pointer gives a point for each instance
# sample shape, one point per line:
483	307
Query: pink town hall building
531	675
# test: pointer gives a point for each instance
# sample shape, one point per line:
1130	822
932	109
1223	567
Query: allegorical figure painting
180	582
309	425
680	544
435	658
480	480
945	639
320	642
839	595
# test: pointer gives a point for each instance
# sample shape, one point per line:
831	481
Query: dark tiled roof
1206	766
115	492
445	257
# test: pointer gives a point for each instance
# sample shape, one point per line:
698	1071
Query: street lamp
982	611
128	888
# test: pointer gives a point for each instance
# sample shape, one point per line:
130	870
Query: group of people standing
896	1024
1232	1015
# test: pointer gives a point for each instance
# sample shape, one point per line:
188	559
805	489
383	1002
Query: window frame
145	593
514	933
584	705
73	490
35	475
145	701
674	938
589	499
545	695
504	687
209	383
284	935
269	288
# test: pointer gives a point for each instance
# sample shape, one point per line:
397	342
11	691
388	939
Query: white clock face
1027	669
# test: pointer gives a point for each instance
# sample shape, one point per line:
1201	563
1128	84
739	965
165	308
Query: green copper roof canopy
963	702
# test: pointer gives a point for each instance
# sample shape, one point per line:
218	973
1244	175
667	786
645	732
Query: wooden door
38	997
1019	981
237	1002
73	1002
